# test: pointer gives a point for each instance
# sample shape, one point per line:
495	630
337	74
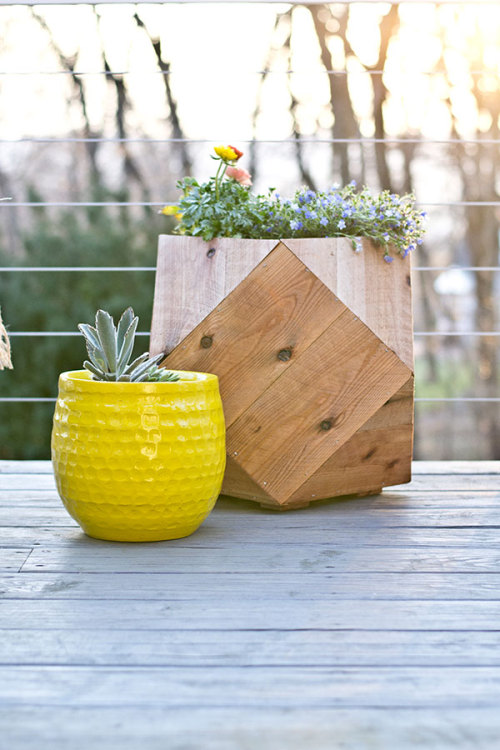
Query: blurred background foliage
403	97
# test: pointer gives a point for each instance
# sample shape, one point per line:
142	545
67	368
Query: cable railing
249	2
388	140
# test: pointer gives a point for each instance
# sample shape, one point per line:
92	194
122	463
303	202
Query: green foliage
58	301
110	348
226	208
234	212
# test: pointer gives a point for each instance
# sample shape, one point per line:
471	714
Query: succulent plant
110	348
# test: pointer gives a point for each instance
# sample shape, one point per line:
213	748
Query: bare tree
345	124
164	66
68	63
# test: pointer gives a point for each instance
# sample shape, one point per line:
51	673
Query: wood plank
27	482
456	467
93	556
232	532
19	501
378	293
166	614
13	559
258	687
263	648
354	374
370	459
191	282
451	483
280	306
25	467
396	412
439	481
302	586
239	484
397	646
418	467
244	728
347	513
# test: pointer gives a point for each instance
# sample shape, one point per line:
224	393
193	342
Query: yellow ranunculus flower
170	210
226	153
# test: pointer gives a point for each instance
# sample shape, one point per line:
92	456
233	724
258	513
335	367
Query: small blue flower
341	224
296	224
310	214
323	221
388	259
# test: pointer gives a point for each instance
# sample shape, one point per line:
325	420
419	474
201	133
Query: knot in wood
206	342
326	424
284	355
211	252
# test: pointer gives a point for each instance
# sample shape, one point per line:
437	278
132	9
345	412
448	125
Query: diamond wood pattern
318	397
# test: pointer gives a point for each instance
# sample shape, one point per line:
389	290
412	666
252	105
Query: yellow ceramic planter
138	462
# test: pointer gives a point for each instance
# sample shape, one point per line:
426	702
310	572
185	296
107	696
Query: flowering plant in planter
312	341
224	206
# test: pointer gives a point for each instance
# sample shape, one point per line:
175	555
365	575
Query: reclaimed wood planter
313	347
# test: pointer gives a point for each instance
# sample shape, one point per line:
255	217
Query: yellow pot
138	462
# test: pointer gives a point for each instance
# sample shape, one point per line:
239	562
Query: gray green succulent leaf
109	350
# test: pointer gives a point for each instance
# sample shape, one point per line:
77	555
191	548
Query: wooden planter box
313	347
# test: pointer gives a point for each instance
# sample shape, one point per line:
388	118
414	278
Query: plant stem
219	177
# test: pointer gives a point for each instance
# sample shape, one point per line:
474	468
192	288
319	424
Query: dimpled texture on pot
138	461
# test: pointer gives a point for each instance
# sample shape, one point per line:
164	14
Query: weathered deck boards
369	623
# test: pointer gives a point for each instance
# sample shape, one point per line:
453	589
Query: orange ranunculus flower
227	153
238	153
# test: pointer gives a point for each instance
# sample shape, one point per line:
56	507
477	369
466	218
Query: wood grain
342	379
356	623
262	687
272	586
378	512
244	727
258	558
378	293
254	310
237	483
191	280
377	455
447	468
279	307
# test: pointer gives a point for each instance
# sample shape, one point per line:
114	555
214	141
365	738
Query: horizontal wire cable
458	399
66	269
126	269
248	2
266	72
290	141
35	334
156	204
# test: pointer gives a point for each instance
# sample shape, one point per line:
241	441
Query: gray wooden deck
370	623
